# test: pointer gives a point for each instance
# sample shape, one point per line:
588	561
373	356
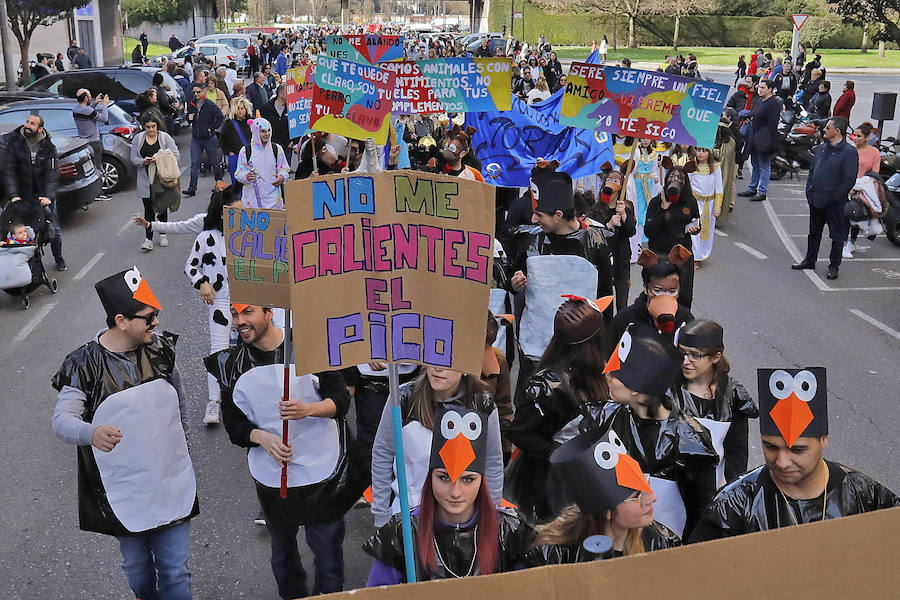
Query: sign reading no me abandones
390	266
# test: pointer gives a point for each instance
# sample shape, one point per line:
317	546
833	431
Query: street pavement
773	317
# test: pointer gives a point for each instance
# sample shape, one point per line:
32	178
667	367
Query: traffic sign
517	14
799	20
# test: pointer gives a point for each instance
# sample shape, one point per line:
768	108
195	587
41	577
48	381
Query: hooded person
121	402
657	307
616	213
612	499
457	530
568	382
673	448
796	485
557	254
262	168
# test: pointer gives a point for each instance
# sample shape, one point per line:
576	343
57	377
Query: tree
157	11
27	15
633	8
680	8
866	12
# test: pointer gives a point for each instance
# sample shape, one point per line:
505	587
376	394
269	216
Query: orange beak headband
458	441
125	293
642	363
597	471
793	403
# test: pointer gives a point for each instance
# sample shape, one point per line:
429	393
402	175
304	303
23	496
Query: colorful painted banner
390	266
510	143
352	99
369	49
451	85
643	104
257	257
300	84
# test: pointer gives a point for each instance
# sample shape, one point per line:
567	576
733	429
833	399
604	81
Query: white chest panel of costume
548	278
669	508
416	456
314	441
718	430
148	476
497	305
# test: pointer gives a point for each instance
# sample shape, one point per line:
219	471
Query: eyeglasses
644	498
691	355
658	291
148	318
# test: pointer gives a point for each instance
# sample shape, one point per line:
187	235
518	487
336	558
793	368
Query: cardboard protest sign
745	567
451	85
352	99
643	104
257	256
300	84
390	266
368	49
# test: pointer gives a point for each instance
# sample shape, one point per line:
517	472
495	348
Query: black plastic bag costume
655	536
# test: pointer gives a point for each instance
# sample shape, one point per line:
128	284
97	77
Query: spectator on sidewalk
831	177
741	70
205	119
761	141
174	43
845	103
786	84
145	42
82	60
88	114
72	50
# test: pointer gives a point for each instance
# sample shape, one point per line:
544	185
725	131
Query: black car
79	181
121	84
115	165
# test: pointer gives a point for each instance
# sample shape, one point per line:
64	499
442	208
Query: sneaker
212	413
163	240
61	264
147	246
847	252
260	519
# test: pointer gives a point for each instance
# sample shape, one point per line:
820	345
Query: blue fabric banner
509	143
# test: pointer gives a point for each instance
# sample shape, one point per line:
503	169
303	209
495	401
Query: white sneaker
847	252
163	240
260	519
212	413
147	245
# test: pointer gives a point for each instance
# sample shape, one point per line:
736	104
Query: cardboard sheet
256	253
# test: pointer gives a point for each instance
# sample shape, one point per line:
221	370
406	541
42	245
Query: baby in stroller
21	268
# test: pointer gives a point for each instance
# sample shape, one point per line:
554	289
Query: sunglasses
148	318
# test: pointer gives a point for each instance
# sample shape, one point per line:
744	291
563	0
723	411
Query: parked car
495	42
218	54
79	181
115	165
121	84
238	41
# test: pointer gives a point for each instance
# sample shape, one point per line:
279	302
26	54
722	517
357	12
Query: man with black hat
324	478
796	485
121	402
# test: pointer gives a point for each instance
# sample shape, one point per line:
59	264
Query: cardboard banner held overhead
352	99
451	85
300	84
643	104
390	266
369	49
257	256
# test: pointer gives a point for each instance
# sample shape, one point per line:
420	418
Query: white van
238	41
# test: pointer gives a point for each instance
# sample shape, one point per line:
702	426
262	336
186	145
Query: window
17	117
58	120
208	50
50	83
95	82
132	83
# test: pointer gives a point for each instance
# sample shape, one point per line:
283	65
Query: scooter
792	151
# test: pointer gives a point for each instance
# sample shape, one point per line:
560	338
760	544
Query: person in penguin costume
121	402
706	391
457	529
658	307
796	485
325	475
673	448
568	381
612	498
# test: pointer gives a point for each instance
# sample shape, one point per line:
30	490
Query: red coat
844	104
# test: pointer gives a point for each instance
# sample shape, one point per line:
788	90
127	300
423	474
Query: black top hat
551	190
642	363
597	470
793	403
458	441
125	293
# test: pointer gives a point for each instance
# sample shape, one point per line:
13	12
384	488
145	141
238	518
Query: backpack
167	170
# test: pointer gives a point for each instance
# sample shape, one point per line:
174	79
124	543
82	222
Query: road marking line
90	264
751	251
721	233
792	215
799	235
855	259
791	246
866	289
34	322
125	228
891	332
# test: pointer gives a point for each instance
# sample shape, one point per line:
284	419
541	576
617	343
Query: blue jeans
759	175
326	542
156	563
198	147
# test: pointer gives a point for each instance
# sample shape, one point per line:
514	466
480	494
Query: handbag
855	210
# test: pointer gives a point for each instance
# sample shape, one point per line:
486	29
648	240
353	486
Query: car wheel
112	174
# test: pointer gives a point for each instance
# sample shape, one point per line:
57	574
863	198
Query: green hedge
697	30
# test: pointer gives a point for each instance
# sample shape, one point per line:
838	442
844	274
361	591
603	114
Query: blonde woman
236	131
706	183
540	92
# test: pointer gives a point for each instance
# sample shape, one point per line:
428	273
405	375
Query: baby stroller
21	266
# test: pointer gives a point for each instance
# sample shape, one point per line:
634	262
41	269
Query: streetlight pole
8	65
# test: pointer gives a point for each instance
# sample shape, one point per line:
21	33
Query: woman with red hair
457	530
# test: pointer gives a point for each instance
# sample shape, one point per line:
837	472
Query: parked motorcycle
891	220
796	138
